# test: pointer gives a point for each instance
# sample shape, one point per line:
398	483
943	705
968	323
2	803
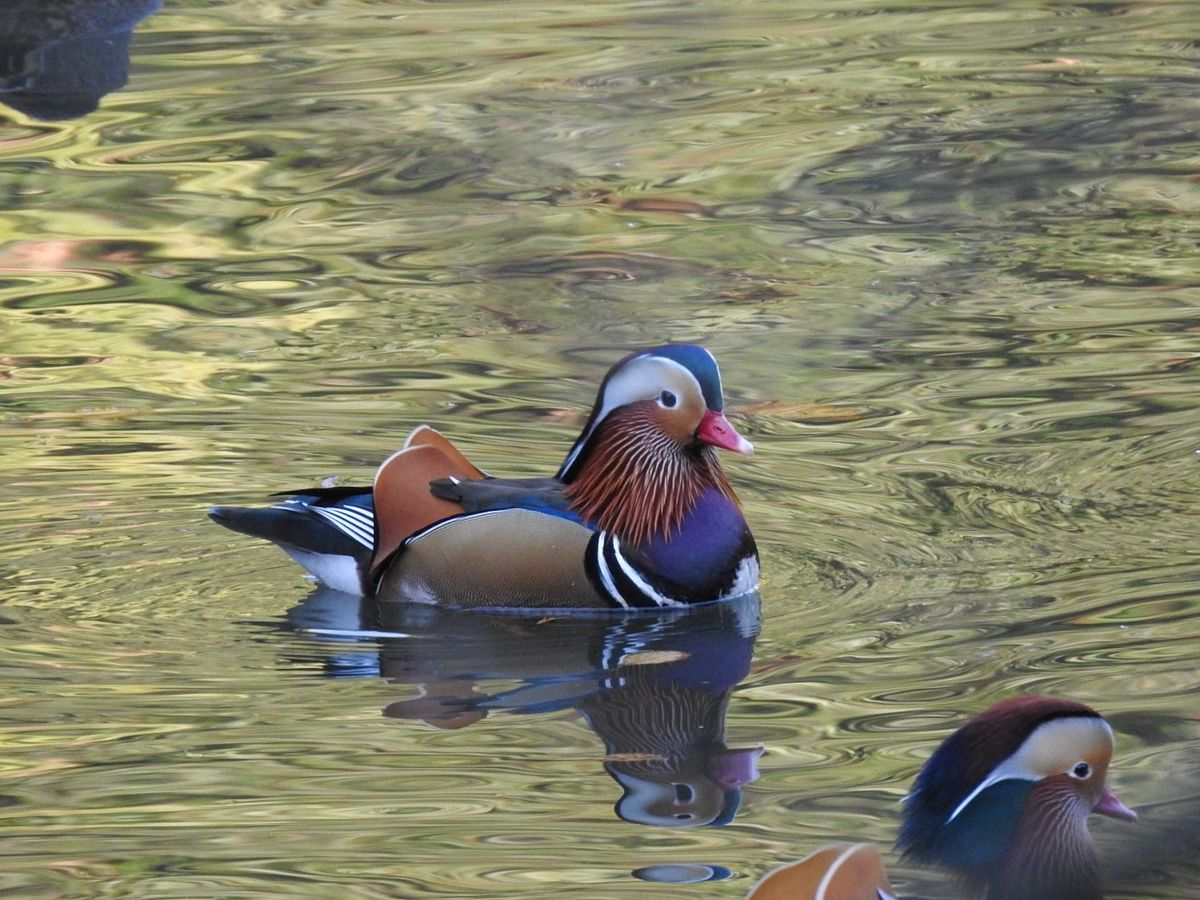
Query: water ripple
945	256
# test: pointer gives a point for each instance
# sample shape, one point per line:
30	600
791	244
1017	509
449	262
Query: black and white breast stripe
619	581
356	522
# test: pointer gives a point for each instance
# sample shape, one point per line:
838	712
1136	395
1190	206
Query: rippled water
945	253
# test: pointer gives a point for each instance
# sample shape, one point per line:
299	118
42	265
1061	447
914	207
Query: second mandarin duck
1002	803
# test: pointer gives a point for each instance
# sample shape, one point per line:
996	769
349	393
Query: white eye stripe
642	379
639	379
1049	749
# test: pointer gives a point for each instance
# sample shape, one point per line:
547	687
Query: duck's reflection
58	58
653	688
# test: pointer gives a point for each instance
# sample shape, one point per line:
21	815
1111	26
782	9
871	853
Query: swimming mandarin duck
640	515
1002	803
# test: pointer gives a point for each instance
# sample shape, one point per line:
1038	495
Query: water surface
946	255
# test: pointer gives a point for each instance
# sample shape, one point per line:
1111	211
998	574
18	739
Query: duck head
647	451
685	792
1004	801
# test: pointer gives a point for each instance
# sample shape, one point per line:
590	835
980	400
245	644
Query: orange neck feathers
638	481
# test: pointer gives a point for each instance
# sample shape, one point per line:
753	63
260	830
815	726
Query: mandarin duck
1002	803
639	515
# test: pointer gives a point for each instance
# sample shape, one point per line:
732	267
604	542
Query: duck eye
1081	770
667	399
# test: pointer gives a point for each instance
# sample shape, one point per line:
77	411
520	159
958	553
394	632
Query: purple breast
709	544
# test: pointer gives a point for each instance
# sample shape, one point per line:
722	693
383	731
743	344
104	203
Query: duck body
1003	802
640	515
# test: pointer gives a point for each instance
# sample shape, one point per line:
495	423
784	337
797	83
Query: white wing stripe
352	517
359	524
349	513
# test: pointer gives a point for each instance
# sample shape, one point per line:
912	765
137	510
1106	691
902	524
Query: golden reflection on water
945	256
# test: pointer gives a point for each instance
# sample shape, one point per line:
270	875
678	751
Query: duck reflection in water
654	688
58	58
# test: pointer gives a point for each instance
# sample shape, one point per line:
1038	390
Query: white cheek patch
642	378
1051	749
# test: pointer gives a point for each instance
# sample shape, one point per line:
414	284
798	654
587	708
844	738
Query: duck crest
636	481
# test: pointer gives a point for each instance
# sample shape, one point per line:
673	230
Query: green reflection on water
945	255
